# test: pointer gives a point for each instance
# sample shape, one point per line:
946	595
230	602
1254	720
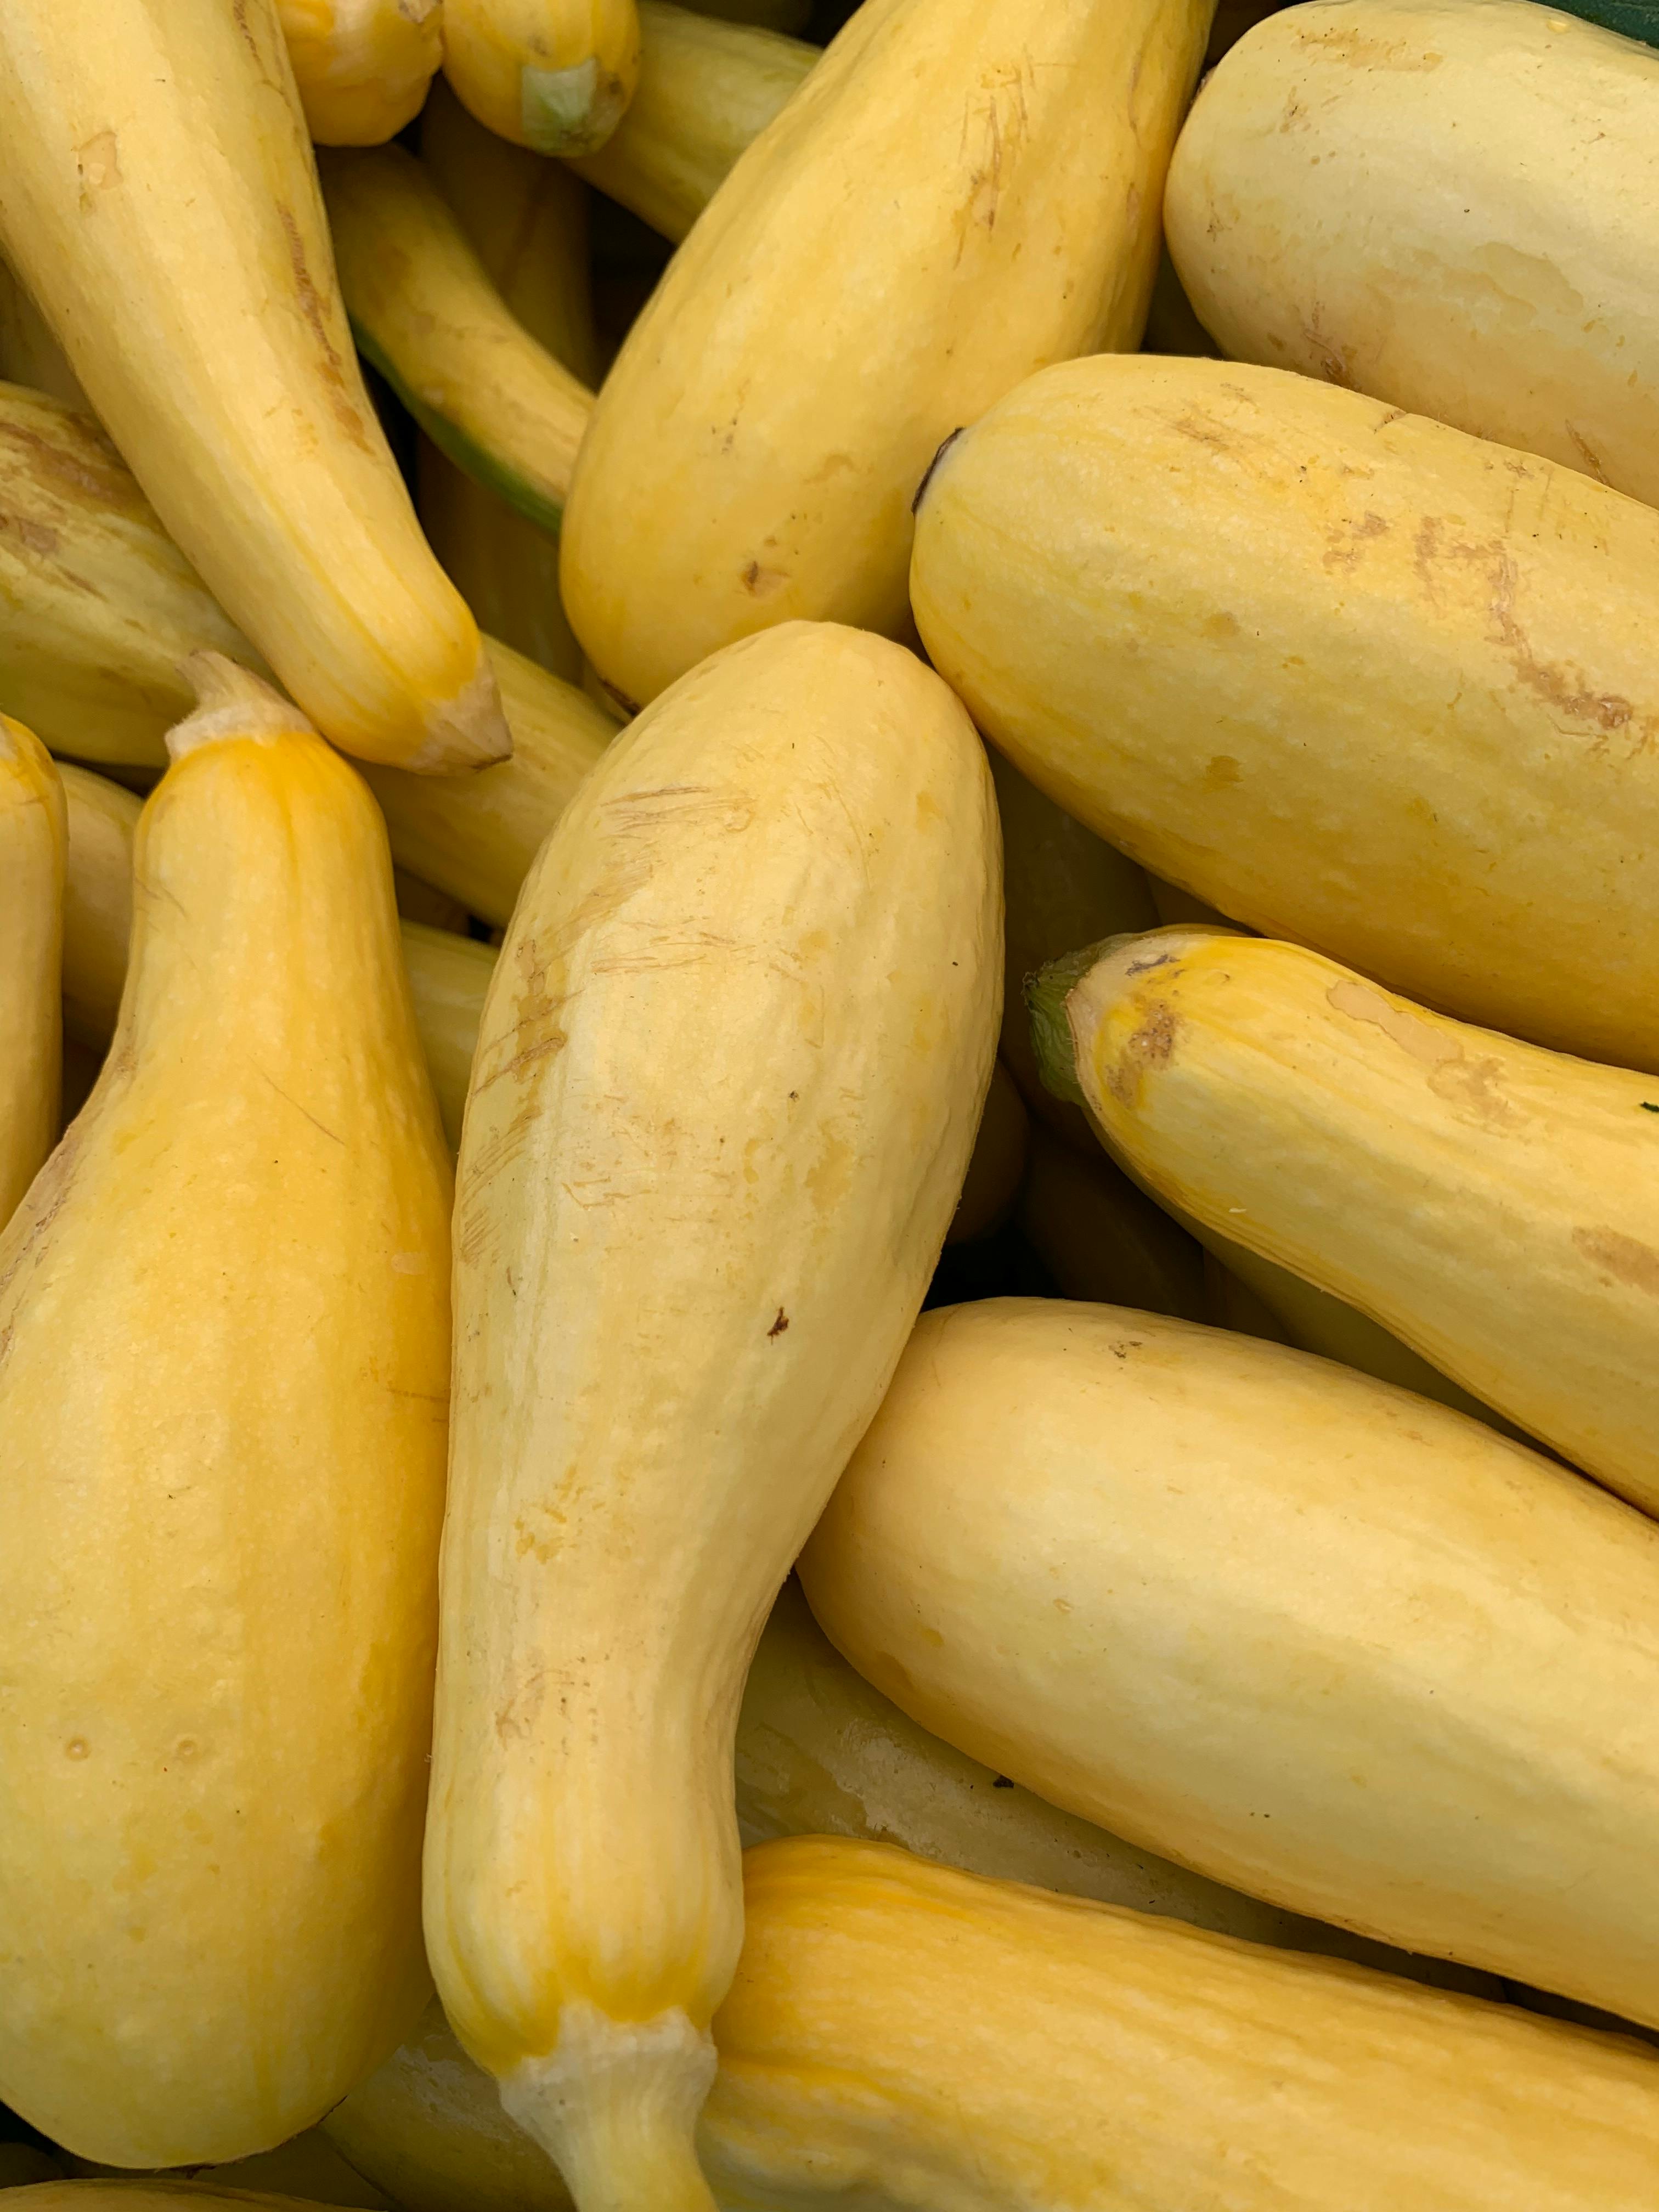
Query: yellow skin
1489	1202
220	1586
98	607
33	840
706	90
673	1318
1330	1643
158	198
1434	274
1355	679
363	66
933	215
552	74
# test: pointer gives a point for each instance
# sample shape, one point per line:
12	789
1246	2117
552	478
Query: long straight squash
726	1086
1355	679
1321	1640
32	848
224	1352
1495	1205
157	195
954	197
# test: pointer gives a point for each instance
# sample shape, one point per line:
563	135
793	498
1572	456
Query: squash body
959	215
362	67
159	200
726	1086
1449	204
33	843
1355	679
1326	1641
555	75
219	1577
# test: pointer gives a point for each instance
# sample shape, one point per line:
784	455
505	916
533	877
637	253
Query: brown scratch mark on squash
288	1100
1346	542
1627	1258
778	1325
97	164
311	306
1151	1045
1592	458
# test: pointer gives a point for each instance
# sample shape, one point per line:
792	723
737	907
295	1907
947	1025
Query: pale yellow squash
1322	1640
1353	678
552	74
727	1081
448	980
955	197
362	66
98	608
901	2035
1492	1204
1447	203
707	89
158	198
223	1367
32	840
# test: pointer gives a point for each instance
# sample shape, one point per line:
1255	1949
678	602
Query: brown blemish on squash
99	165
1150	1046
760	583
1625	1258
1469	1087
1346	542
311	306
778	1325
1222	772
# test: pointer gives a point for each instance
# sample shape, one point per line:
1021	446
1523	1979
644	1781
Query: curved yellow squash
223	1366
33	840
1354	678
1447	203
1495	1205
706	90
552	74
362	66
902	2034
1324	1641
726	1087
961	213
176	246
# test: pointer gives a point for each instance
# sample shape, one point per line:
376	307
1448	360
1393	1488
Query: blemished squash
1326	1641
960	216
177	247
224	1354
1353	678
727	1081
1490	1203
32	840
1446	204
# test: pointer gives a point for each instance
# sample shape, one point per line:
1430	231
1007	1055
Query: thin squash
674	1316
32	846
220	1581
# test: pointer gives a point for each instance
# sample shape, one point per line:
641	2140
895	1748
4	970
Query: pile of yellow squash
656	660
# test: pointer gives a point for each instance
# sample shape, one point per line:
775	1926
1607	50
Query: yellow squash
552	74
1353	678
902	2034
98	608
1447	203
448	980
424	311
32	848
157	196
727	1081
706	90
955	197
28	352
362	66
527	219
223	1366
1322	1640
1492	1204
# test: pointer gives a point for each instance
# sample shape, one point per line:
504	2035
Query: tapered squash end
467	732
572	111
231	702
1046	996
615	2105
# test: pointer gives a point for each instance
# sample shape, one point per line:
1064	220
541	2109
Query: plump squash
902	2034
1355	679
1324	1641
552	74
1447	203
1490	1203
678	1299
223	1366
706	90
32	847
424	311
98	608
362	66
938	211
179	253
